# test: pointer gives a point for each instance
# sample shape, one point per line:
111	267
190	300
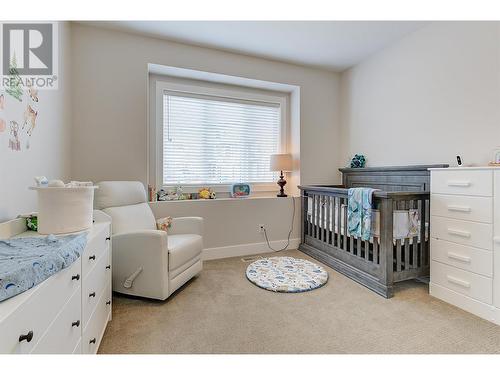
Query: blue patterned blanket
359	212
26	262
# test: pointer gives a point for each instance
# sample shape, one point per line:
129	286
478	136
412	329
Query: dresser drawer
95	248
36	314
463	207
65	331
93	287
463	232
78	347
467	283
496	281
92	334
463	257
462	182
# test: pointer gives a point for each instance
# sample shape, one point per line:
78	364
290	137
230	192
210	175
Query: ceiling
332	45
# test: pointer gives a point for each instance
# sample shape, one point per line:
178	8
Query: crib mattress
26	262
401	228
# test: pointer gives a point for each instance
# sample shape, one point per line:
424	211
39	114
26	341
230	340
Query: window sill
250	198
223	188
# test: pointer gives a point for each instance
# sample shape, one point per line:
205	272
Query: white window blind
212	140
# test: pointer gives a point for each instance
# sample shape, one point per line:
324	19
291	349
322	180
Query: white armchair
148	262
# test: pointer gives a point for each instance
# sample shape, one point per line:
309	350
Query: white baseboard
247	249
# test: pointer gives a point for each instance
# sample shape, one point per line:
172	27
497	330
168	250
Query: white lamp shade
281	162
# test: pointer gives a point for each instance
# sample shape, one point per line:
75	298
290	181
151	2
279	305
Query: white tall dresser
465	239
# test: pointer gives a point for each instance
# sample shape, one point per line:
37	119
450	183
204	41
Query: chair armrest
187	225
140	263
150	241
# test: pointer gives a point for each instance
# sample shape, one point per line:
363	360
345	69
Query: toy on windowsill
174	194
152	193
240	190
358	161
206	193
496	159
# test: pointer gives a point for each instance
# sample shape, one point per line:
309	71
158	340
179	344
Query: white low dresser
465	239
68	312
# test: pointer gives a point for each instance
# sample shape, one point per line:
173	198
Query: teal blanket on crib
27	261
359	212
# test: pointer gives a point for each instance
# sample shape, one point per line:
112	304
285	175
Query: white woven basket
64	209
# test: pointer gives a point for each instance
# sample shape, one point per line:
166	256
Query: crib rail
376	263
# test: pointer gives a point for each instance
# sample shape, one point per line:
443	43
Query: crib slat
351	243
407	254
303	216
398	255
314	213
334	220
320	223
415	249
311	232
339	221
308	218
367	249
424	253
358	246
327	221
344	241
316	202
318	217
375	250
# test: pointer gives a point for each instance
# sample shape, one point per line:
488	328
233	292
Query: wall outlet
262	228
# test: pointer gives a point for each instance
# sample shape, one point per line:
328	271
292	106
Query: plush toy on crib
358	161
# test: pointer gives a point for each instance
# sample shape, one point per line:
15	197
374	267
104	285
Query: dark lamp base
281	182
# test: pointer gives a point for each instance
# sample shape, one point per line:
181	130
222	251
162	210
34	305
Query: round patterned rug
286	274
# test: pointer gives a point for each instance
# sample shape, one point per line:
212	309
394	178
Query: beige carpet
221	312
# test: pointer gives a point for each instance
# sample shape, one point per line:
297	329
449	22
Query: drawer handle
108	303
75	277
75	324
459	282
28	337
459	257
92	294
459	183
93	341
108	267
460	233
459	208
108	238
92	257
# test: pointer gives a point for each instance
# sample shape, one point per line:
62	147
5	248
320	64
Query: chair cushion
131	218
182	248
119	193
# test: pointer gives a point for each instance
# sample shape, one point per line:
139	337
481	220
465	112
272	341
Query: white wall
431	96
49	152
110	101
231	225
110	77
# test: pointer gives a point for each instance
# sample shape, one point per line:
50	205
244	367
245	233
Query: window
215	137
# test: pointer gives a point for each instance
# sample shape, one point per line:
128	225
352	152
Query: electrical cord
289	233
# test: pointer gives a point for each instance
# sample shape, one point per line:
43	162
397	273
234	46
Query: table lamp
282	163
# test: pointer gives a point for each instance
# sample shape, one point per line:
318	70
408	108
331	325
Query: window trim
237	93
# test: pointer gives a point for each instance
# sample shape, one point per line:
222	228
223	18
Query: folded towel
359	212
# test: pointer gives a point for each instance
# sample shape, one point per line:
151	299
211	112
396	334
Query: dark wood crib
383	260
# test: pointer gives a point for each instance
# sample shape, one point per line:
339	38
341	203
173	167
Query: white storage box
64	209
